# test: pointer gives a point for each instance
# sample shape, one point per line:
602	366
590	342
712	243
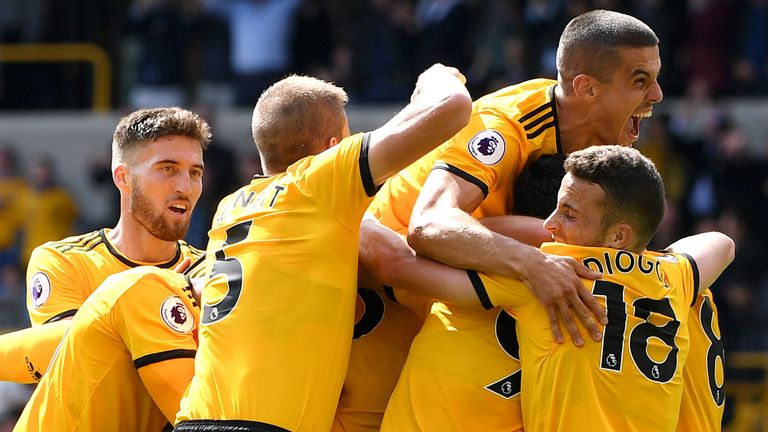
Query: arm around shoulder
712	252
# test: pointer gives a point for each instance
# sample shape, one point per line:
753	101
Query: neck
137	244
575	122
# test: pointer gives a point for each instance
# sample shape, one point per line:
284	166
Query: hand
437	72
555	282
183	265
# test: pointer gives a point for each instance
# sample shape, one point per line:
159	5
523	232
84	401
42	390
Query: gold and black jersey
279	306
62	274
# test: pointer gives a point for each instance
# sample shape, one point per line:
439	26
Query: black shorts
226	426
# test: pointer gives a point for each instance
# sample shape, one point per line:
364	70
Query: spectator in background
544	20
442	34
160	29
13	189
261	32
710	41
312	43
499	51
382	52
750	68
210	57
50	210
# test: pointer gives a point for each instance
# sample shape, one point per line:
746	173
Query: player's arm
25	354
442	228
166	382
389	259
440	106
712	252
525	229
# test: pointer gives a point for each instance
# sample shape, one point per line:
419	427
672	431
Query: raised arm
712	251
439	107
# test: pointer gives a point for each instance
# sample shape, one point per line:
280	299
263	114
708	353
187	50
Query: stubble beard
141	208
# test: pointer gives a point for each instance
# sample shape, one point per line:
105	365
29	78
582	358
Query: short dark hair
634	191
295	117
590	44
146	125
537	185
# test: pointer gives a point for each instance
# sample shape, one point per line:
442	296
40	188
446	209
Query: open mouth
633	123
179	209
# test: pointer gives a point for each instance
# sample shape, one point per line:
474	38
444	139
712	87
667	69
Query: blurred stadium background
70	69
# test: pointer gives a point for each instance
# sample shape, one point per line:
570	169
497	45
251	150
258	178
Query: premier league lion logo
39	289
175	315
487	146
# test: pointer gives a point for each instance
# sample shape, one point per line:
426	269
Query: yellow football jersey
279	306
136	318
564	387
62	274
384	330
507	129
703	375
461	374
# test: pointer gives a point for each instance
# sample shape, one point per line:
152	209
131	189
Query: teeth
644	114
179	207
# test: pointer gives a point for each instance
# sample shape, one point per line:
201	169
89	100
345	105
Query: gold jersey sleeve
279	306
704	374
506	130
62	274
136	318
645	345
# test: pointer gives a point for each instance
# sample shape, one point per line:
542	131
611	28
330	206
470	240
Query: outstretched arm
712	251
25	354
439	107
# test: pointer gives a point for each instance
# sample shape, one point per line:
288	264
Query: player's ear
583	86
120	176
621	236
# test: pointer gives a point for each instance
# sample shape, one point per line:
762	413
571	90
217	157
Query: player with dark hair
609	64
157	165
606	226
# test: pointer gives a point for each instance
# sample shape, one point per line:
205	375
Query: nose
550	223
655	95
184	184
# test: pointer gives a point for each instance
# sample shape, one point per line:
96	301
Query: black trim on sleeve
226	426
464	175
696	279
482	294
365	168
390	293
61	316
162	356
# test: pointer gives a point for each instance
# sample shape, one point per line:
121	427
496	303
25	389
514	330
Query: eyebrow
174	162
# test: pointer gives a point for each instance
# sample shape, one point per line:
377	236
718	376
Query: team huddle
417	277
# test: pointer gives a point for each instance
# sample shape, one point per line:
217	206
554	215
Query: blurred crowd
225	52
